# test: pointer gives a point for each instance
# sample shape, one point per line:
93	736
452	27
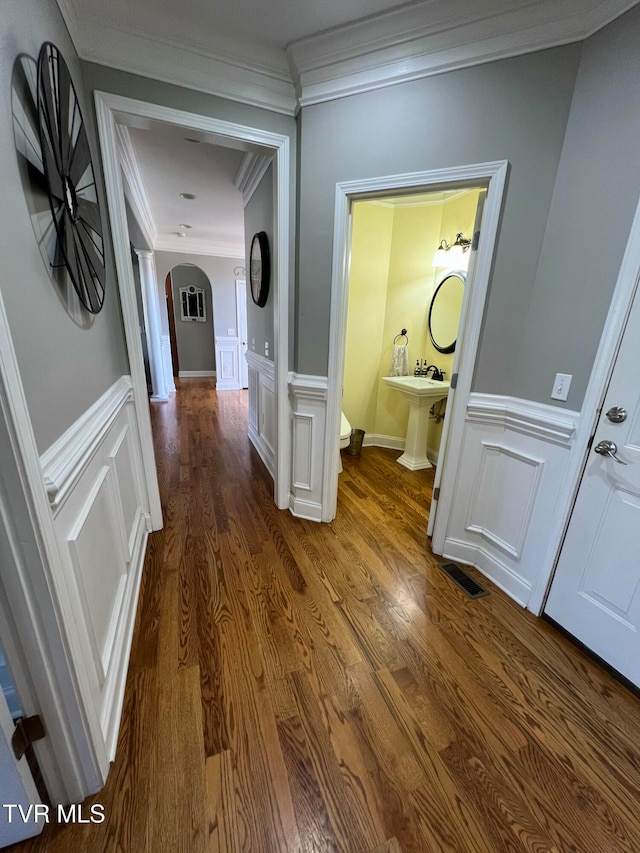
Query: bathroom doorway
413	189
408	264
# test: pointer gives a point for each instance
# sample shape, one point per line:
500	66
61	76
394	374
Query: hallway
306	687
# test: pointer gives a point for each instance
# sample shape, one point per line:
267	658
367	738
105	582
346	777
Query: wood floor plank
224	834
303	687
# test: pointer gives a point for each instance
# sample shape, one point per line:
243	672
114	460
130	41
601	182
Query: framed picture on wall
192	304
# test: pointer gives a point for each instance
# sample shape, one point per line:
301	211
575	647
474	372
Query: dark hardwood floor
305	687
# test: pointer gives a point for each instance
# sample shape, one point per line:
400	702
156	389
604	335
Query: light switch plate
561	385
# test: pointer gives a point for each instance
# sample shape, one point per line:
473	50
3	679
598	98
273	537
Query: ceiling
165	161
284	55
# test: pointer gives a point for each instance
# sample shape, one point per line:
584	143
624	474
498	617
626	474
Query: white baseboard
500	574
388	441
310	510
228	385
191	374
392	442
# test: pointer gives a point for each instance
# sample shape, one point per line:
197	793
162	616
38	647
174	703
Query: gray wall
219	272
195	342
515	109
594	201
65	363
258	216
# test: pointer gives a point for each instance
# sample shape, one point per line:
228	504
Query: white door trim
619	309
110	108
491	174
241	325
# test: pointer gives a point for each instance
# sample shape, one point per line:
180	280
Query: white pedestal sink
421	393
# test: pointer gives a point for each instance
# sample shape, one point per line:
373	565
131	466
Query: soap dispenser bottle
416	372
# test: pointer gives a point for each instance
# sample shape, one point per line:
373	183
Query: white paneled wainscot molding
308	397
514	456
262	408
97	493
228	363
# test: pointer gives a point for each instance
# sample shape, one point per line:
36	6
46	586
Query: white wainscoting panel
97	493
262	410
514	456
228	364
308	396
167	363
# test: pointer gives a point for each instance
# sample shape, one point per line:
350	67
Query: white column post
149	286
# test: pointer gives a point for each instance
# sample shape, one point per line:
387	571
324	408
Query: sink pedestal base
415	450
421	393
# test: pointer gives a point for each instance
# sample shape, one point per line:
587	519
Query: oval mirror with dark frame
444	311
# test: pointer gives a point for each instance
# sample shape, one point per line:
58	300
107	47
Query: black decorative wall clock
71	183
260	268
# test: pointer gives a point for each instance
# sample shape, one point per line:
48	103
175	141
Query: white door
18	795
241	307
595	594
446	426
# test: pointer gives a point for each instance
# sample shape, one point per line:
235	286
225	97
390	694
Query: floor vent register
461	578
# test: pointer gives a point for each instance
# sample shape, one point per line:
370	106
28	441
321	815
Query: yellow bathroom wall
391	283
371	233
410	286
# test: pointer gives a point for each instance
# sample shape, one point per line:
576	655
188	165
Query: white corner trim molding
539	420
63	463
193	246
407	43
261	365
250	172
424	39
308	396
192	63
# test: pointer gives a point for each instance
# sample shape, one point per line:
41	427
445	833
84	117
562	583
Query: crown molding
193	246
70	18
398	46
251	171
181	64
435	200
134	185
407	43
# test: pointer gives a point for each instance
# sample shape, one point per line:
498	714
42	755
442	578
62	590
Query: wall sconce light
452	255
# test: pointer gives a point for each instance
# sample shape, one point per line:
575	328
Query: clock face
70	180
259	268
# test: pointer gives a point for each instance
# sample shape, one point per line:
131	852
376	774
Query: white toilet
345	437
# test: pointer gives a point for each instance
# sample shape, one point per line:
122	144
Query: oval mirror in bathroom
444	311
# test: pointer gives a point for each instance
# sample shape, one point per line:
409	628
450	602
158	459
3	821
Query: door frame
492	175
171	319
243	367
610	340
113	108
